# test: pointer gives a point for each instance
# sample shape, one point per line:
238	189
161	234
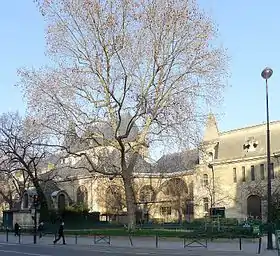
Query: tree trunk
11	205
130	199
180	211
44	209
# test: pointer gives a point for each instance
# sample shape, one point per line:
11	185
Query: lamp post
34	213
213	185
266	74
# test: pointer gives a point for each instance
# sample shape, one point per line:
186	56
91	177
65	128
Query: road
71	250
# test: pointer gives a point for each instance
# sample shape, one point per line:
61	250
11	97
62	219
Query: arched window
175	187
82	195
61	202
210	157
147	194
25	201
114	201
205	180
206	204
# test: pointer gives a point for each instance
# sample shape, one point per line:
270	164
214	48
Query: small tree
21	151
13	184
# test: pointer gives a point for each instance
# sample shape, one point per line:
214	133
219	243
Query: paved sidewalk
248	246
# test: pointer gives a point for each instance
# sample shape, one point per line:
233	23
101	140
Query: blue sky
248	29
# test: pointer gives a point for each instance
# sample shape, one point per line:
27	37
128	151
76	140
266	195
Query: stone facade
228	170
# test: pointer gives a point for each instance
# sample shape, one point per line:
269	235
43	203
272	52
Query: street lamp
266	74
210	166
34	216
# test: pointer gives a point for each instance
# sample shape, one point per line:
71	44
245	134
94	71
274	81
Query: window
234	175
165	210
216	149
61	202
262	171
205	180
253	173
189	208
206	204
243	174
272	170
210	157
25	201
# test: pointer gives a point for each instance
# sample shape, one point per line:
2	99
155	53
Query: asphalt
71	250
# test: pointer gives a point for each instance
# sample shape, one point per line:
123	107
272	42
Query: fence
157	241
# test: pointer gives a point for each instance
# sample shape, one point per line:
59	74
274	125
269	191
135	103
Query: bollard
19	237
76	239
156	241
260	245
240	244
7	235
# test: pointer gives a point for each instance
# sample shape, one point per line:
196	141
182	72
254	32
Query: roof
55	193
178	162
102	132
248	141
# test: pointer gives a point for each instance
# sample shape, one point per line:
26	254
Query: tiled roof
231	143
177	162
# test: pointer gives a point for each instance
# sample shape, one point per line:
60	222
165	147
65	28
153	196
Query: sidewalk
248	246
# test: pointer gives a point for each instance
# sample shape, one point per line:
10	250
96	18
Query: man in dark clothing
41	229
17	228
60	234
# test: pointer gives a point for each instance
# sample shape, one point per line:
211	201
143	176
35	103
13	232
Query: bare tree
13	184
212	193
20	153
152	59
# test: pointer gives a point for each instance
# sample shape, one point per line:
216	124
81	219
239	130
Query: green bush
77	208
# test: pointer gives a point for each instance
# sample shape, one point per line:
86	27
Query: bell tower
211	130
210	144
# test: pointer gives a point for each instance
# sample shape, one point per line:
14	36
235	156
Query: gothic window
25	201
147	194
206	204
189	207
234	175
243	174
205	180
216	151
253	172
61	202
210	157
272	170
82	195
175	187
114	200
262	171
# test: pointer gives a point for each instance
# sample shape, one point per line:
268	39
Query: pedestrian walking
41	229
60	234
17	229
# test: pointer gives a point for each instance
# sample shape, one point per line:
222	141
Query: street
71	250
